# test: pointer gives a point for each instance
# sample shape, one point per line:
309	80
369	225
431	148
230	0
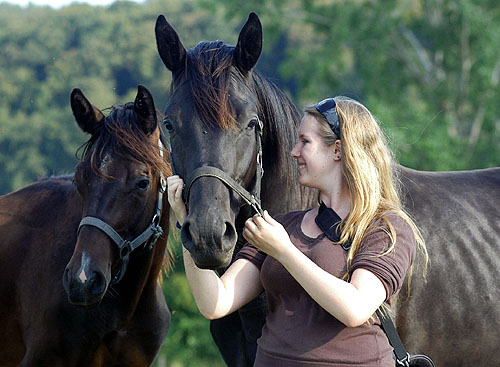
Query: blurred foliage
428	69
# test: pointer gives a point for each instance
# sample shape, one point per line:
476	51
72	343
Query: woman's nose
295	151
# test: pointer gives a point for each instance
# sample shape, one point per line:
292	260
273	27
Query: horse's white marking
105	163
85	262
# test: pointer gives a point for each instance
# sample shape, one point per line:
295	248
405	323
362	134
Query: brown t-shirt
298	331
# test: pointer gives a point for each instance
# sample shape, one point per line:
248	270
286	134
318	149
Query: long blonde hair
368	168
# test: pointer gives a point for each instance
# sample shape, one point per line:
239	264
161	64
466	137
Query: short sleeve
251	253
391	268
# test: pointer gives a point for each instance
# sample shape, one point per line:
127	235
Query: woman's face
316	160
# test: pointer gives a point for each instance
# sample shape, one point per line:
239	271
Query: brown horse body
38	324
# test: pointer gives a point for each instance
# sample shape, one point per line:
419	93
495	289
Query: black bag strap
402	356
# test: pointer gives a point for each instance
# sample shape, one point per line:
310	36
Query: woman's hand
267	235
174	191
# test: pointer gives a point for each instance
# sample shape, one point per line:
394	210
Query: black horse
216	103
113	313
214	115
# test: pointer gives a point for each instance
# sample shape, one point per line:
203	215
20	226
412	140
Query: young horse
118	181
215	107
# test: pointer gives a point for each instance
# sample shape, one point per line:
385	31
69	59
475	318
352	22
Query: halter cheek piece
125	247
252	199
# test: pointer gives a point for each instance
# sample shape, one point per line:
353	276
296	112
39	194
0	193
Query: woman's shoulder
387	230
392	219
387	253
291	217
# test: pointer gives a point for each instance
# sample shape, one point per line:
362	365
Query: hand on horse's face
175	185
268	235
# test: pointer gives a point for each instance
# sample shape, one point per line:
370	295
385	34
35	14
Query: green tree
429	69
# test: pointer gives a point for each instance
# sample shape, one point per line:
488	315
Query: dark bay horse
215	105
95	322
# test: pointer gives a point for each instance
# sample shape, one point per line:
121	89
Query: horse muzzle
210	242
85	287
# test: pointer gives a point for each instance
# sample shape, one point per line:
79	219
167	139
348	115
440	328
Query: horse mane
210	74
281	123
62	177
121	135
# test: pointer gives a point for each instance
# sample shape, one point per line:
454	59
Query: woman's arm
352	303
215	297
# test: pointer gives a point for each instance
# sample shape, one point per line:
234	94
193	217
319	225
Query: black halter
125	247
252	199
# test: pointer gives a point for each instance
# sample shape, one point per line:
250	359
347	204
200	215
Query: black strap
402	356
209	171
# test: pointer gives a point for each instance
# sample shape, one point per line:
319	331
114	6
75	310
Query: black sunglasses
328	108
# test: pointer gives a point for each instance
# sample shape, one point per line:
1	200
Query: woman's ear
337	152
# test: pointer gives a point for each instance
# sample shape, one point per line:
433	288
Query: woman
325	270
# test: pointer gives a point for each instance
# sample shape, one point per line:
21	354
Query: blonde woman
325	270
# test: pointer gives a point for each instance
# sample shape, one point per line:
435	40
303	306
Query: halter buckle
163	184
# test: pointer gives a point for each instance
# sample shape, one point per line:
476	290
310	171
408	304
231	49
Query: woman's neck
338	198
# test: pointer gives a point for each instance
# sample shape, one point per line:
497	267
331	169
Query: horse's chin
211	262
84	300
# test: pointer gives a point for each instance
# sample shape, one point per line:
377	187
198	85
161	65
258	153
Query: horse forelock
209	72
121	135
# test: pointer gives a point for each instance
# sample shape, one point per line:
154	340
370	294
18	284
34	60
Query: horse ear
249	46
86	115
144	107
170	48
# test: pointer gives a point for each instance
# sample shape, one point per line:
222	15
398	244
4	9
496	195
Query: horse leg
253	318
236	334
228	336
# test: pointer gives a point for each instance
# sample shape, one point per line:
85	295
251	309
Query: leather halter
125	247
252	199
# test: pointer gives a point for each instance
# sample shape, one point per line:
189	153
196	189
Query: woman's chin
303	180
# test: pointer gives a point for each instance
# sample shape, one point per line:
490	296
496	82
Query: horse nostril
229	237
66	277
186	238
97	283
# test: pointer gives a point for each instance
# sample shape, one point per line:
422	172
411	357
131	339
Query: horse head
120	181
213	117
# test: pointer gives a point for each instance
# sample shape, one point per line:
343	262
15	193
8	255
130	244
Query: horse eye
252	124
143	184
168	125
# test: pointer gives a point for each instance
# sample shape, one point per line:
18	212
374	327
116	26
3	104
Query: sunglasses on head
328	108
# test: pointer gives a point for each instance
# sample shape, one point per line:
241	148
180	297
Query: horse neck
281	124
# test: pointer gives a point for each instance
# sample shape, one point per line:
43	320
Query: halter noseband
252	199
125	247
